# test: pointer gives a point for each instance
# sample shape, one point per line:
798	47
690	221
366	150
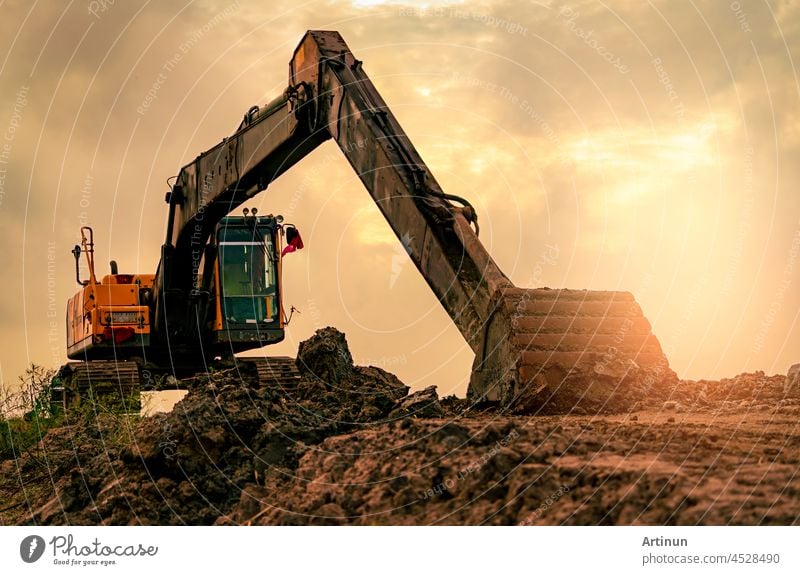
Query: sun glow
634	163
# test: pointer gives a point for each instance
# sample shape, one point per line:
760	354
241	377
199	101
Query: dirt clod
423	403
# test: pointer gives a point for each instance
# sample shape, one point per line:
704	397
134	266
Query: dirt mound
550	470
345	392
349	445
747	390
229	429
608	386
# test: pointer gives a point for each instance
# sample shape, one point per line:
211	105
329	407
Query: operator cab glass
247	272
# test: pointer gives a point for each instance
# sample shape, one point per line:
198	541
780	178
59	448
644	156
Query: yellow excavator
217	290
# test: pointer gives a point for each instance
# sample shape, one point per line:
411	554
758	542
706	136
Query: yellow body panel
90	312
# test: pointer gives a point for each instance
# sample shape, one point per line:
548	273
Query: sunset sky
653	147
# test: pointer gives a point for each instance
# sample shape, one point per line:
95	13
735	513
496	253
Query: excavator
217	289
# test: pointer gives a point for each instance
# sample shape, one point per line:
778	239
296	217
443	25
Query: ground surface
351	448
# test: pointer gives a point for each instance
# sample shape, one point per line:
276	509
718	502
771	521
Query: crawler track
280	372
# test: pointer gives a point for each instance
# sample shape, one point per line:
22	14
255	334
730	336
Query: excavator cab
246	293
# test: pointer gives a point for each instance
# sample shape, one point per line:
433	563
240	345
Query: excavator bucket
554	351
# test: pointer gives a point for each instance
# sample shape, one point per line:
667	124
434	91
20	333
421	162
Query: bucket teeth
552	351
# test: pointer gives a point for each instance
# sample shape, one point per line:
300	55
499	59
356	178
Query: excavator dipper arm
528	343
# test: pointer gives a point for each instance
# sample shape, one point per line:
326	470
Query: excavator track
279	372
78	381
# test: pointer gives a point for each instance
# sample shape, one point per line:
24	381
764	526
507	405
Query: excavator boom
531	346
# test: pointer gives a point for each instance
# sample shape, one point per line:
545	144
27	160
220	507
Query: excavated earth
350	446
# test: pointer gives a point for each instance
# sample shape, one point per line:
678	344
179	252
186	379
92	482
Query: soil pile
349	445
747	390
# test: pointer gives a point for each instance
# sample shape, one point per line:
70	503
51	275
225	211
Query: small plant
93	404
26	415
